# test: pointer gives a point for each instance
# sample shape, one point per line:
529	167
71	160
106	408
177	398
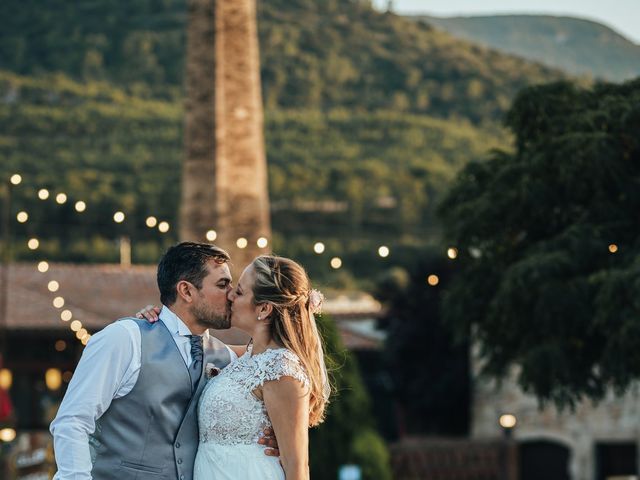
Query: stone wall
614	419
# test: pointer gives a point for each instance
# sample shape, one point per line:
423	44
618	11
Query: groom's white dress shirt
108	369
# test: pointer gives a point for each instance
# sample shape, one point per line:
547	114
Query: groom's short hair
186	261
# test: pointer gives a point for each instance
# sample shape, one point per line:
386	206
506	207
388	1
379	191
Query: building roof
97	294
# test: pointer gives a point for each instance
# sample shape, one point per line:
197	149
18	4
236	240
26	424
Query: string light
163	227
8	435
53	378
508	421
613	248
211	235
6	378
81	206
65	315
15	179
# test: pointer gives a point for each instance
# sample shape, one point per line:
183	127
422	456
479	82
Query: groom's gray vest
152	432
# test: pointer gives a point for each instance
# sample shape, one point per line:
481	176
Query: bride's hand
150	313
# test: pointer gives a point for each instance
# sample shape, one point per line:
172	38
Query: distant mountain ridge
576	45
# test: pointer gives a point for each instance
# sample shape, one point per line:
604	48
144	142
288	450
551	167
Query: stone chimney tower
224	184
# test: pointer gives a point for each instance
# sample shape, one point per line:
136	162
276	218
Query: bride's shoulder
280	362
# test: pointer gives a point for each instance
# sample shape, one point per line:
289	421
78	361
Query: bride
279	381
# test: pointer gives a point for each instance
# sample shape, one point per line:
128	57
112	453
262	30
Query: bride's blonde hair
285	285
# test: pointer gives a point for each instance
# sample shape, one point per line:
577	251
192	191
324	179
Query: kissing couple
145	402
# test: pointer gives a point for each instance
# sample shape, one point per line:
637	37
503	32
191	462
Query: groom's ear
183	290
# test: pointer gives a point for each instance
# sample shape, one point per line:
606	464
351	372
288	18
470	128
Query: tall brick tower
224	184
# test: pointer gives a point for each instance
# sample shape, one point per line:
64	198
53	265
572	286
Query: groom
130	409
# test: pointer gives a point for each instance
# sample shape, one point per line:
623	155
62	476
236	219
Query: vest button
177	444
181	477
179	461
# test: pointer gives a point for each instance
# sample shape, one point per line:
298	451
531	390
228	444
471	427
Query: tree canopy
549	276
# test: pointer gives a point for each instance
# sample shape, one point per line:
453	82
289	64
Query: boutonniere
211	370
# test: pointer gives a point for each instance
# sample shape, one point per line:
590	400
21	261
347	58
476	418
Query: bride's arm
287	403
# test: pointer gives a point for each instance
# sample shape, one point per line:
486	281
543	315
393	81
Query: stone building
594	442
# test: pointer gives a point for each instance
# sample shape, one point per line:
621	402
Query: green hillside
368	118
315	54
576	45
372	175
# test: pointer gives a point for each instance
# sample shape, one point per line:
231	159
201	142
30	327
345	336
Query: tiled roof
98	294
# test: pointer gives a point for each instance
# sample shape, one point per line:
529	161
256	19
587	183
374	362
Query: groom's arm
108	369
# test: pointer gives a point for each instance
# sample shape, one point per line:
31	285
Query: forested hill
316	54
368	118
576	45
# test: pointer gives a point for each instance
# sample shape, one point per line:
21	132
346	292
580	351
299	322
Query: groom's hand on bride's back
150	313
270	441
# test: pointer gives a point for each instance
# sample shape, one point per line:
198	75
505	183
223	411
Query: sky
622	15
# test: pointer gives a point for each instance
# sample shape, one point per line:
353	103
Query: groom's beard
209	317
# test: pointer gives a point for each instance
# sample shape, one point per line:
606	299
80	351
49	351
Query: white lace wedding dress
231	418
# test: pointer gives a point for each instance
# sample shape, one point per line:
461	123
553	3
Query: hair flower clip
316	298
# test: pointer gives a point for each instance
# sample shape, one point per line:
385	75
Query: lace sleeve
275	364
